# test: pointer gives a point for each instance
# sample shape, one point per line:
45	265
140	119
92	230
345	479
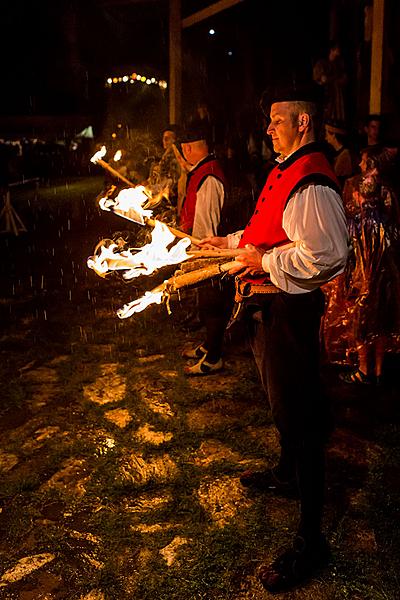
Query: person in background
331	75
372	310
167	172
297	239
335	135
201	216
372	130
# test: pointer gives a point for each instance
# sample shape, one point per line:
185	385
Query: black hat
292	92
194	133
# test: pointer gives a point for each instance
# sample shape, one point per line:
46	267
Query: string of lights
134	78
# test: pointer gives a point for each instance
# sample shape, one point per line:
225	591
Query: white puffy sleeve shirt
209	202
315	221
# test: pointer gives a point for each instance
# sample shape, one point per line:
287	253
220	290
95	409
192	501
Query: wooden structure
177	24
12	221
378	20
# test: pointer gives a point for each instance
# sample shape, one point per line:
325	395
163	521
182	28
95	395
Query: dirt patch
212	451
41	436
147	503
171	552
7	461
119	416
146	433
138	470
266	436
70	479
222	498
217	414
154	400
109	387
24	567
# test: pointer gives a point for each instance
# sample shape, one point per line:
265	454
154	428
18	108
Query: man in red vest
201	217
297	239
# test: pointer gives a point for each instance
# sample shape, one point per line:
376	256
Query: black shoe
295	565
267	481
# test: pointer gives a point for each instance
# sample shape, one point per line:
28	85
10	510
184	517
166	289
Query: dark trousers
215	307
284	336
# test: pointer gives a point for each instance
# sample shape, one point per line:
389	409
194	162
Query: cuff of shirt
233	239
266	261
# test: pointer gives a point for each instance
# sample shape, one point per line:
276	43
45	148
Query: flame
151	257
117	155
140	304
129	204
99	155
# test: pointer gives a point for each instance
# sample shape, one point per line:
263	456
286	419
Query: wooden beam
375	94
175	61
214	9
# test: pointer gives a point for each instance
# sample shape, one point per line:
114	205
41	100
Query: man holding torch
297	240
201	216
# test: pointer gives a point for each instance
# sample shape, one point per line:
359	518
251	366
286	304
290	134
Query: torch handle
114	172
176	232
192	277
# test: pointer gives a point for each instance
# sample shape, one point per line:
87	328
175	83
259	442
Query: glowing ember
129	203
117	156
151	257
140	304
99	155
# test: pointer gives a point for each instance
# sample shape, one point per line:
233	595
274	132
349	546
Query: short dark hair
171	127
372	117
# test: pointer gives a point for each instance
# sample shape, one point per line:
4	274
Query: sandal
356	376
196	352
204	368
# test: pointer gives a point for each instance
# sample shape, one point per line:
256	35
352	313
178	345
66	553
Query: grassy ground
120	477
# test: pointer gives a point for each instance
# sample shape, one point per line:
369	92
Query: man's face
168	139
334	53
283	128
372	130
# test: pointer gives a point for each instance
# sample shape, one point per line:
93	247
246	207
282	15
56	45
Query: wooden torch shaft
114	172
181	281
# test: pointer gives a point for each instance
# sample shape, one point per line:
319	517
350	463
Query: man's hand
209	243
251	259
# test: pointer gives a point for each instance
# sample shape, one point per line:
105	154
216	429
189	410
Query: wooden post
375	95
175	61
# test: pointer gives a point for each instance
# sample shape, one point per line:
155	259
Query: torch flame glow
151	257
99	155
129	203
140	304
117	156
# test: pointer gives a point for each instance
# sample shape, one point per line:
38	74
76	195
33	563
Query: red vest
210	166
307	166
264	229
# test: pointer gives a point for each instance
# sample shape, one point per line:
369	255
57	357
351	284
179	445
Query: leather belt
245	290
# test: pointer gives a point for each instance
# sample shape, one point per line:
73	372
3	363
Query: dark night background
56	56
